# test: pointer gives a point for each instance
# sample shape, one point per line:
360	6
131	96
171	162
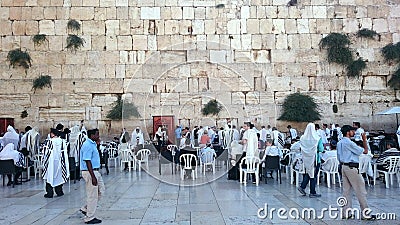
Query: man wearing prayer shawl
33	141
8	152
11	136
137	137
250	143
56	166
310	145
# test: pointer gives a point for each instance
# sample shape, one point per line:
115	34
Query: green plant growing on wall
366	33
39	39
391	53
339	52
338	48
24	114
299	108
41	82
354	68
73	25
17	57
74	42
122	110
211	108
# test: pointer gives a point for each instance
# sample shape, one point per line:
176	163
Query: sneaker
61	194
371	217
314	195
83	212
302	191
93	221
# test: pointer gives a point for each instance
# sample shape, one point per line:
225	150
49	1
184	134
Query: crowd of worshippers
59	152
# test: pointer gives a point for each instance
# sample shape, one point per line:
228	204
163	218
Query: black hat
346	128
54	131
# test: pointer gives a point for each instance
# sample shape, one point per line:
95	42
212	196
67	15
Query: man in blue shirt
348	155
89	165
178	134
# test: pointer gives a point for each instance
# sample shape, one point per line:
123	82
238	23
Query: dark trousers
58	189
17	175
313	181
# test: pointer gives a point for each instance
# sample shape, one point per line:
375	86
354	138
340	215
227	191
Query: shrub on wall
391	53
122	110
299	108
211	108
39	39
17	57
41	82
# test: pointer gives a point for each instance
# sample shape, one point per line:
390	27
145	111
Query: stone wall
170	57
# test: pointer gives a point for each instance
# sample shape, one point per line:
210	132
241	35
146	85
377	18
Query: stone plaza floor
145	197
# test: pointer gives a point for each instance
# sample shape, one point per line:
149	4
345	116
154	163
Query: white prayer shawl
73	142
137	138
56	165
228	137
251	147
322	135
33	141
8	152
308	144
11	136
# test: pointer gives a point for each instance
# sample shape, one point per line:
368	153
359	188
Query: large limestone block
46	27
15	99
395	11
266	26
82	13
374	83
93	27
172	27
283	56
148	13
233	26
320	96
278	26
52	114
303	26
350	25
378	96
346	83
319	12
40	100
124	42
173	56
354	110
291	26
139	42
56	101
139	85
93	113
18	27
281	41
304	56
168	99
278	84
101	100
380	25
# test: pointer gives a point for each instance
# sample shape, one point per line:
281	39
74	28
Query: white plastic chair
186	160
38	164
392	164
330	167
208	159
289	158
127	157
142	156
113	155
296	171
252	166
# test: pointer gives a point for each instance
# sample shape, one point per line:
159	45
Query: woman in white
310	145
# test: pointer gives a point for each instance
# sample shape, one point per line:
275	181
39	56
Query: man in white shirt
277	138
250	143
263	136
327	130
359	131
236	134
